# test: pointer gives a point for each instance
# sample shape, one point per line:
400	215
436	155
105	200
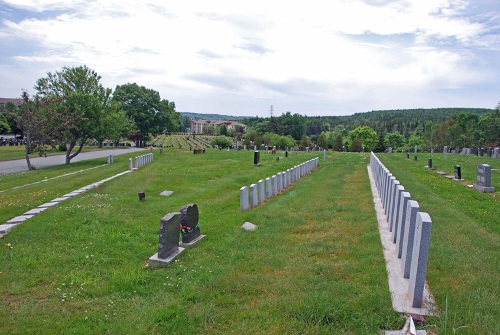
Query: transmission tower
271	110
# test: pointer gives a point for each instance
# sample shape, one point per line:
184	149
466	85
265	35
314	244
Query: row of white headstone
140	161
410	228
256	194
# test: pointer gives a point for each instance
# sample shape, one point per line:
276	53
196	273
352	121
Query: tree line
379	130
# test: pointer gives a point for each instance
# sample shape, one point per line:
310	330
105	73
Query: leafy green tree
304	141
367	136
116	125
222	130
10	115
75	95
489	124
394	140
416	140
185	123
356	145
4	127
222	142
337	146
282	142
151	114
322	142
209	130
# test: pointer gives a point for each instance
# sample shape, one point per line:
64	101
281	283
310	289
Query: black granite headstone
429	163
189	223
256	158
458	172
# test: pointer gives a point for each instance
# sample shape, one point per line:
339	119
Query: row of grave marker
410	228
490	151
274	185
140	161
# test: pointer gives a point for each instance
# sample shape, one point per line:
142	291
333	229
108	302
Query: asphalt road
19	165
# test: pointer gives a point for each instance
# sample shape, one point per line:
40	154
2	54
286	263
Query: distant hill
383	121
199	116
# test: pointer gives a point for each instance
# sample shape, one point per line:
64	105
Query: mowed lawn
314	265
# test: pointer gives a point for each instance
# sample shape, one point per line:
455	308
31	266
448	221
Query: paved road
19	165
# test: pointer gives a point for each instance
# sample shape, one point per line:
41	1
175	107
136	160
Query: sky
315	58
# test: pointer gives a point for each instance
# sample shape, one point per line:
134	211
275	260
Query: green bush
61	147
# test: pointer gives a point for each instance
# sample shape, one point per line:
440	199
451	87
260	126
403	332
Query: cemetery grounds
314	265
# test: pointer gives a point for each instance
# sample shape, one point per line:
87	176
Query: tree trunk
26	155
27	151
70	156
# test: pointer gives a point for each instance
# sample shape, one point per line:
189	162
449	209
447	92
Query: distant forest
405	121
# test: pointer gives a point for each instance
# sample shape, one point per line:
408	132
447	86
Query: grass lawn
314	265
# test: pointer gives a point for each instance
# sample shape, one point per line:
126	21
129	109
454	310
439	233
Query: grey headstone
244	198
403	203
254	200
269	188
261	191
483	179
395	212
420	256
412	209
274	181
189	218
169	234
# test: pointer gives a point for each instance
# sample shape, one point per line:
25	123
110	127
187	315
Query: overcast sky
315	57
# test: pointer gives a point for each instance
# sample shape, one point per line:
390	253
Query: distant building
198	125
5	101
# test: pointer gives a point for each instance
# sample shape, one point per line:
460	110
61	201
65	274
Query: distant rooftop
4	101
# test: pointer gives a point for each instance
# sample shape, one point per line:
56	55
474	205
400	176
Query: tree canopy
76	96
151	114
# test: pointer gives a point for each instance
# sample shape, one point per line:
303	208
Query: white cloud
204	53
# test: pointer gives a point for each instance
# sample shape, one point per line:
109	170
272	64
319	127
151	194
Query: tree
75	96
415	140
185	123
356	145
116	125
150	114
367	136
304	141
394	140
222	130
489	124
222	142
281	141
322	142
36	125
337	146
4	127
209	130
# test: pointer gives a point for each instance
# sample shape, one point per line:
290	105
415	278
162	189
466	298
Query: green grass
314	265
463	262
